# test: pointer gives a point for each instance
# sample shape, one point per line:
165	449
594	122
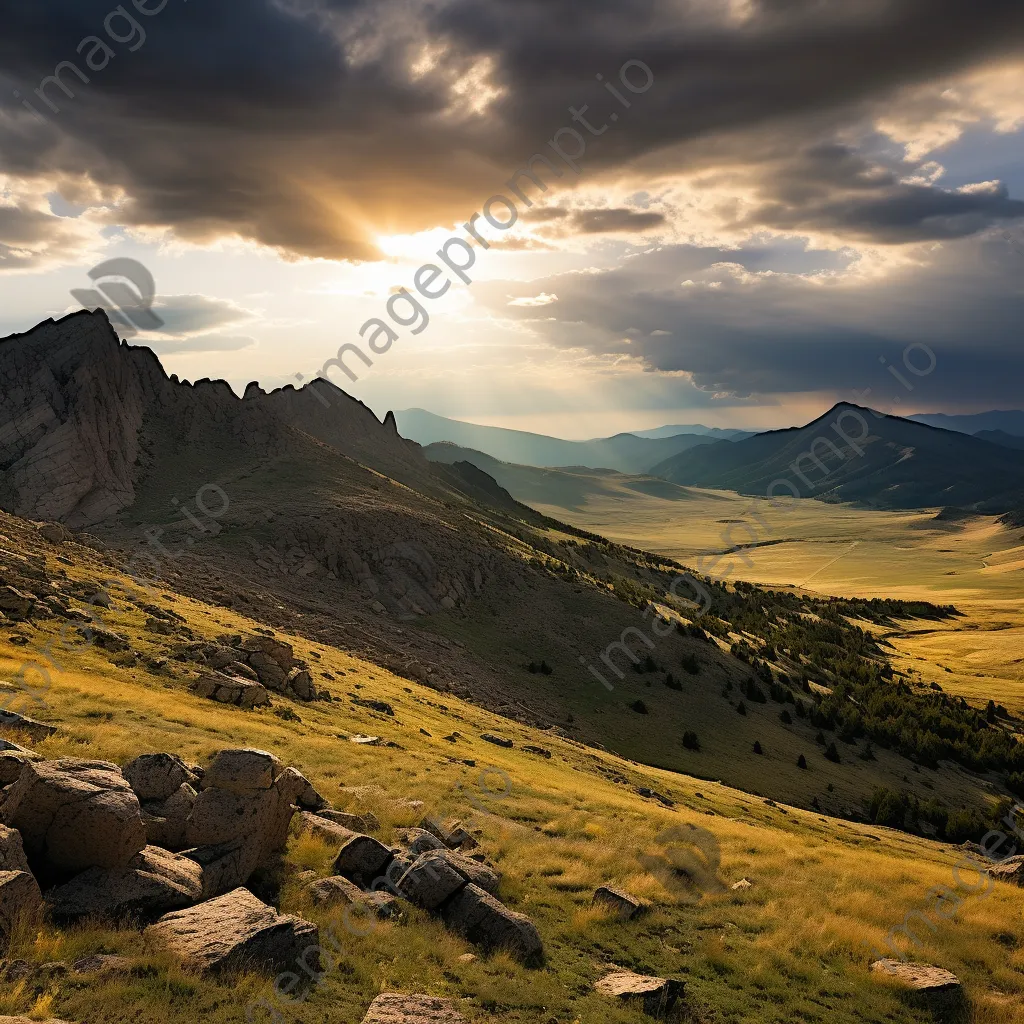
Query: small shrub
690	741
832	753
672	683
785	717
801	762
741	708
757	747
691	665
639	707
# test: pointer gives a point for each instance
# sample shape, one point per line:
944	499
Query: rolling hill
855	454
1011	421
627	453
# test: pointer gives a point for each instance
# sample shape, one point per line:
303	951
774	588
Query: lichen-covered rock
322	828
428	880
166	820
925	985
488	923
75	814
238	931
225	689
361	823
154	882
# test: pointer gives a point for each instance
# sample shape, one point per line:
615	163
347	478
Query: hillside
626	453
874	459
767	912
1009	421
1001	437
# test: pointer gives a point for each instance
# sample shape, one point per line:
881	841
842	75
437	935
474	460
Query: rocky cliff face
81	414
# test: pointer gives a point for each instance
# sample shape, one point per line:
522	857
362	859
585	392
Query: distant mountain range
894	463
1011	422
1001	437
718	433
627	453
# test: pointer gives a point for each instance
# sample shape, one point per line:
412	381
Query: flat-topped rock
658	996
237	931
340	892
325	829
362	860
361	823
158	776
1010	870
918	977
397	1009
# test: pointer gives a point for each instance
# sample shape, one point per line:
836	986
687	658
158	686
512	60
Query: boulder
362	860
363	823
238	931
106	639
328	831
340	892
929	987
657	995
75	814
102	963
221	815
11	721
427	880
158	776
54	533
396	1009
242	770
299	790
625	905
486	922
21	903
12	853
154	882
472	870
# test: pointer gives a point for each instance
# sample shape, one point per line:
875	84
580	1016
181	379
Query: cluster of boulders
245	670
159	840
431	868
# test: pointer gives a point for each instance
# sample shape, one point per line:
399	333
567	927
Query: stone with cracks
488	923
237	931
300	790
362	823
21	903
158	776
926	986
75	814
153	883
166	820
625	905
225	689
1010	870
657	996
391	1008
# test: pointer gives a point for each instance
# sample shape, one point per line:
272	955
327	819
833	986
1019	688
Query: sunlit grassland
789	949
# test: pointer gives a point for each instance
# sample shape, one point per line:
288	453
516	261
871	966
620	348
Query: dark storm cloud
598	222
744	323
311	124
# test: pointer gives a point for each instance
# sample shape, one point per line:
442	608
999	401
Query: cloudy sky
764	206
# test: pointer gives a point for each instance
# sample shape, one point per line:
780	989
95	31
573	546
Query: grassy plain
974	563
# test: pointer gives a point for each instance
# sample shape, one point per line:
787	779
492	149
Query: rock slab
397	1009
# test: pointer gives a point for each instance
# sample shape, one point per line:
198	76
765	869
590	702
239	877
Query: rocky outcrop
241	816
237	931
657	996
74	815
159	776
11	721
1010	870
363	860
391	1008
153	883
226	689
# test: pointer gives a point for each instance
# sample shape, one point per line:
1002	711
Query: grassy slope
787	949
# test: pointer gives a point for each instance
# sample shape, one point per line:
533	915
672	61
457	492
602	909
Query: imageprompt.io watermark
126	290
